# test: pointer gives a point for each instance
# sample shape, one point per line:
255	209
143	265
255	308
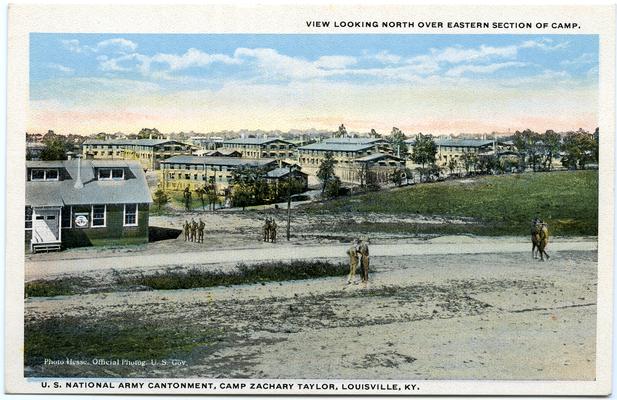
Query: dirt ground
435	308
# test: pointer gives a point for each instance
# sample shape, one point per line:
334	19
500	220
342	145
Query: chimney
78	183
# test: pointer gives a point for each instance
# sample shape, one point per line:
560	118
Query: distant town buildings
149	152
207	143
79	202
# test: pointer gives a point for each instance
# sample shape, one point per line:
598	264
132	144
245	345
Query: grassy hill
501	205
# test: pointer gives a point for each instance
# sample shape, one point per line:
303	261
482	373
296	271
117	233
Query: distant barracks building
85	202
350	154
449	149
258	148
194	172
149	152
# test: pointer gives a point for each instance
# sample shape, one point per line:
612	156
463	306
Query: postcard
337	199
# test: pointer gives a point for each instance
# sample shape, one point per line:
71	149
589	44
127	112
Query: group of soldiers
194	231
358	254
269	230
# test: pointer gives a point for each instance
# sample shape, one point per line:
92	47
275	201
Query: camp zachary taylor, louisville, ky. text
324	208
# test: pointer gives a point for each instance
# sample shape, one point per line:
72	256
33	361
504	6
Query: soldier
273	231
187	229
200	231
267	230
364	259
193	230
352	252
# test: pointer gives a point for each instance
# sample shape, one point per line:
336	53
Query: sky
439	84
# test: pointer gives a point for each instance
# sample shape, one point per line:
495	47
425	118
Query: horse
539	240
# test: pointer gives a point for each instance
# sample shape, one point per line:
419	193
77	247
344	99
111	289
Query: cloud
115	45
483	69
335	62
385	57
544	44
192	58
72	45
61	68
585	58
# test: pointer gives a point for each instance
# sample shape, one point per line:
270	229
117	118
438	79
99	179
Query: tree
424	151
552	143
187	196
530	146
147	133
397	176
56	147
160	197
469	161
452	165
374	134
397	140
342	131
241	196
326	171
579	149
201	192
333	187
212	196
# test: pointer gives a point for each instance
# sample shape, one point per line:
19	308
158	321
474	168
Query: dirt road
282	251
438	315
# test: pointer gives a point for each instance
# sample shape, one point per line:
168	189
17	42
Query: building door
45	225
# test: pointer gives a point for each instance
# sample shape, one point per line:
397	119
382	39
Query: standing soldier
273	231
364	260
193	230
187	228
200	231
352	252
267	229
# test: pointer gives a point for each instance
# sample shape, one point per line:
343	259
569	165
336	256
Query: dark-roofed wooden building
79	202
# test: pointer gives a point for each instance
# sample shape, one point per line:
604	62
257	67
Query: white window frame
111	174
104	216
136	215
44	175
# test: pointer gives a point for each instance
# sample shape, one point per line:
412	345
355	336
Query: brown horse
539	240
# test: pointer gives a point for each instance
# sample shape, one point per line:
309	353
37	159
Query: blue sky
94	82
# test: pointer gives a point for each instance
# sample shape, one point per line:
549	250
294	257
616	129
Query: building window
130	214
44	175
28	217
106	174
99	215
67	220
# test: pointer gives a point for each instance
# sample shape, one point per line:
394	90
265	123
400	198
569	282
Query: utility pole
289	201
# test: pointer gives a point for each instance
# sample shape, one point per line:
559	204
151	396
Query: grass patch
243	274
502	205
172	279
120	336
56	287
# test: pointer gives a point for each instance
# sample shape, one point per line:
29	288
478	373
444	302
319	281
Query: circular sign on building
81	221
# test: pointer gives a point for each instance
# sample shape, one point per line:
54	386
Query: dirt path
283	251
422	316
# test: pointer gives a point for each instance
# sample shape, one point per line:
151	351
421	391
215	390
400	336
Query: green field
499	205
